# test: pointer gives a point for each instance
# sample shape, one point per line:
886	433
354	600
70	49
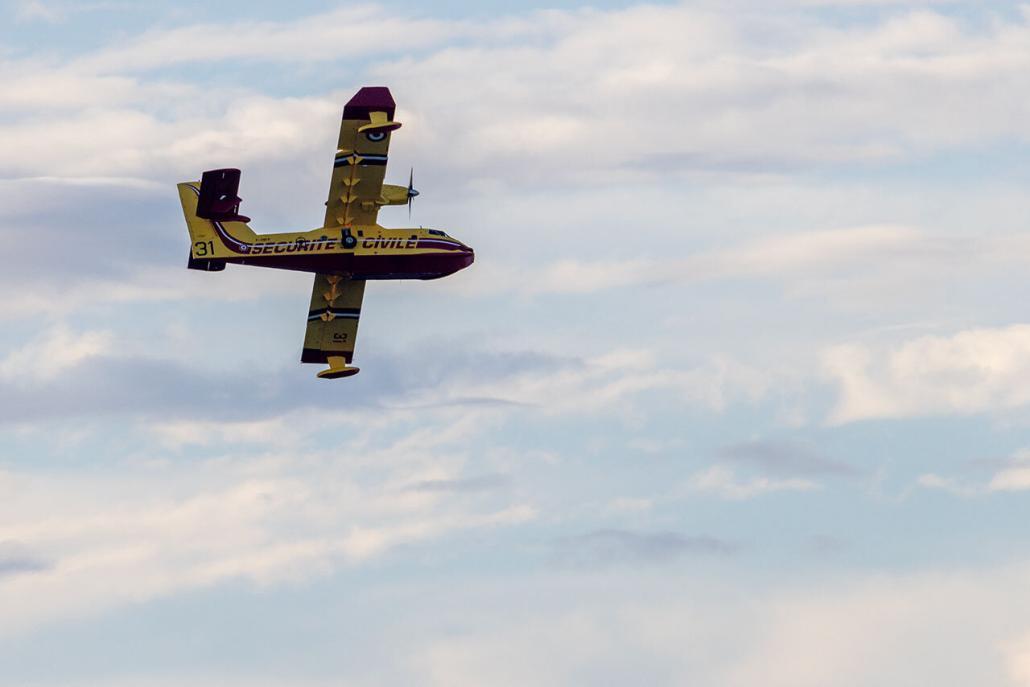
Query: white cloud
848	631
948	484
1012	475
1017	660
349	32
882	630
794	257
606	382
37	10
628	627
869	3
568	94
122	140
1015	478
57	11
974	371
267	432
718	96
152	285
161	526
53	353
723	482
553	99
625	504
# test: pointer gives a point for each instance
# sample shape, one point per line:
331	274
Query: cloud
105	385
848	261
63	374
627	625
57	11
37	10
148	266
881	627
951	485
1012	475
344	33
199	472
160	525
600	383
722	482
907	4
626	504
144	131
825	545
1017	660
616	546
54	353
190	404
249	128
132	281
973	371
1015	478
785	458
16	559
846	630
901	87
560	93
462	485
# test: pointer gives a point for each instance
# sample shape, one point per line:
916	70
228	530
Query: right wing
356	189
333	324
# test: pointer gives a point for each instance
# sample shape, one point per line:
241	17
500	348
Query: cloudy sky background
736	391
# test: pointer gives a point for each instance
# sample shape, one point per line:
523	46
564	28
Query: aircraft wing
333	324
356	189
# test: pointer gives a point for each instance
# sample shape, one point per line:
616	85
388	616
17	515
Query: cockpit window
436	232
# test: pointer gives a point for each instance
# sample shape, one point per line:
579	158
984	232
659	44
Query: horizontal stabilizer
219	199
205	265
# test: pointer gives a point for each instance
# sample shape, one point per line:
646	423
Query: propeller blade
411	190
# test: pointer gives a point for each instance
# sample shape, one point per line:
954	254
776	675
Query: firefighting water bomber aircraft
348	250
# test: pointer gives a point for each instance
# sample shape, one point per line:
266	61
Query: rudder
212	200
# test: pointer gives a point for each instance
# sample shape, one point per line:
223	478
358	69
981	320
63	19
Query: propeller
411	190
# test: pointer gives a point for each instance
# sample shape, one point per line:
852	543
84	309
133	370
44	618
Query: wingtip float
349	248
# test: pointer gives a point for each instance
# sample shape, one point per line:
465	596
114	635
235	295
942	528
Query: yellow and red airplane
349	249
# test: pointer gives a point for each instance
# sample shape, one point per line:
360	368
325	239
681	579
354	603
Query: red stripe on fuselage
420	266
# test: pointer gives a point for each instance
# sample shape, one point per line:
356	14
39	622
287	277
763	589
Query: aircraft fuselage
369	252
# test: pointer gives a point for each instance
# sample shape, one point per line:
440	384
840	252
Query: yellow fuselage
356	252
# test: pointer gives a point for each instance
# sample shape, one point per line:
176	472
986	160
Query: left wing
333	324
356	189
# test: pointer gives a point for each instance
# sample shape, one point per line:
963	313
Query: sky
735	393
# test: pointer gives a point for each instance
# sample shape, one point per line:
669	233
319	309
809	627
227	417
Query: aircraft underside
369	267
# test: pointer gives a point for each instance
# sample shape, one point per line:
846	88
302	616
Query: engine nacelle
394	195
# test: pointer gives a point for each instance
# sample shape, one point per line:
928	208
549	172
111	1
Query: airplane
350	247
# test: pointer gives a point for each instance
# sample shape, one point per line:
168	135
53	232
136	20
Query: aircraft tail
211	208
